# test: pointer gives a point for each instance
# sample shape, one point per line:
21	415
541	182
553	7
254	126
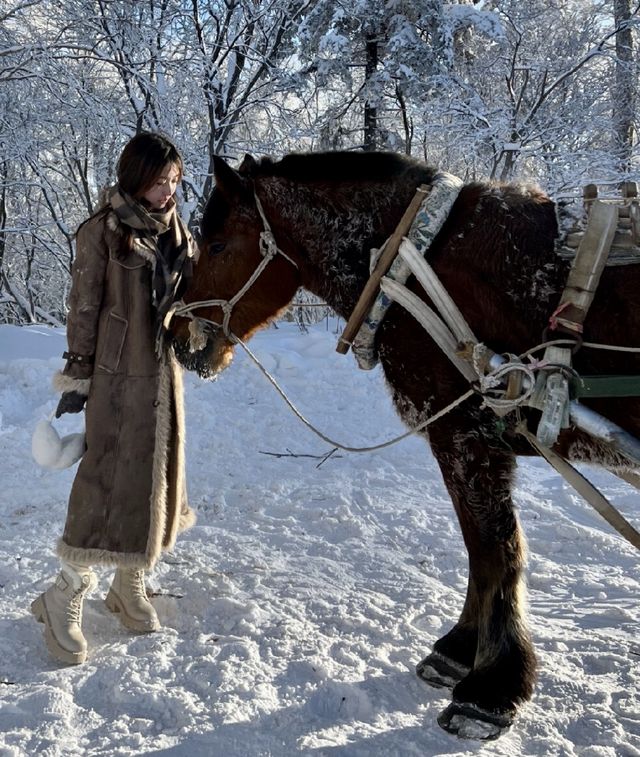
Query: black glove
70	402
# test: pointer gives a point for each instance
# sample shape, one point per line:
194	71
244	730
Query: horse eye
216	248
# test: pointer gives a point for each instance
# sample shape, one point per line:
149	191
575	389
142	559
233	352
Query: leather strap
74	357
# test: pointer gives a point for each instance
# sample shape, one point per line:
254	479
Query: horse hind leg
501	664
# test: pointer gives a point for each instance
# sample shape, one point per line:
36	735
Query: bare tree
625	85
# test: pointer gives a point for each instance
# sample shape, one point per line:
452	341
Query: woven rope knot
268	244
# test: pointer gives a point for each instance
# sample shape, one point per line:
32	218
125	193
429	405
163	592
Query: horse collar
430	217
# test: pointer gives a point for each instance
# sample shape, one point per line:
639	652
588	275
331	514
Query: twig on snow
323	458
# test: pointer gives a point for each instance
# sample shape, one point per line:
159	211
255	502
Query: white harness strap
431	215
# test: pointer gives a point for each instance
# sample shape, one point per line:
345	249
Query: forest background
543	91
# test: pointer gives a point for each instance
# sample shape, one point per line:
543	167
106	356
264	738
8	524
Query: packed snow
295	610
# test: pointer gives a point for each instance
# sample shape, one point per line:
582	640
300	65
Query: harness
504	383
433	210
507	383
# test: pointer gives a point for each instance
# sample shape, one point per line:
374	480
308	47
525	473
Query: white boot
60	609
128	598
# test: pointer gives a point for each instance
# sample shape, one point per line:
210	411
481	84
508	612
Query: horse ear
249	163
228	181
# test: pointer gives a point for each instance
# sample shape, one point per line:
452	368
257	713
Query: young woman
128	501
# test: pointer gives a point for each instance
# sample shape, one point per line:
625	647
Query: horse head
243	278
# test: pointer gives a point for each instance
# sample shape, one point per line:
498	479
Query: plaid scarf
163	240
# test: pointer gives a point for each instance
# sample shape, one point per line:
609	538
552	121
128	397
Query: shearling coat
128	500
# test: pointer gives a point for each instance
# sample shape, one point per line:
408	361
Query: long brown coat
128	501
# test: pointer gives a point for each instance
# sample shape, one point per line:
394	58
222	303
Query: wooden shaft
372	286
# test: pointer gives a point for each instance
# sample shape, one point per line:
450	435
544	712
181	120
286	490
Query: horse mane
339	166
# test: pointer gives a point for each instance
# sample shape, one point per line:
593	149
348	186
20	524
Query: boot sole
115	605
39	610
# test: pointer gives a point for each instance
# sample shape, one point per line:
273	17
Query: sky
294	612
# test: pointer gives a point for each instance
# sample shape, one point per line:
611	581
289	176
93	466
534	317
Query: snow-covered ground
295	610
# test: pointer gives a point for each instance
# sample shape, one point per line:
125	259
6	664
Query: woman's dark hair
143	159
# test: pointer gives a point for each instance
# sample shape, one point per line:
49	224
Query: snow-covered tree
536	100
392	56
501	88
83	76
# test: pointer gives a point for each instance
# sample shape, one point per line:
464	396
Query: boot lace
74	607
138	589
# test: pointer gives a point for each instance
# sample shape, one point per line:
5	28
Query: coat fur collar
147	253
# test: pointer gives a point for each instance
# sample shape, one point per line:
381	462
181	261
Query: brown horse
496	257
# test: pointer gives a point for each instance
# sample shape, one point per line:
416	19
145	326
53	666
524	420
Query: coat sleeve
85	302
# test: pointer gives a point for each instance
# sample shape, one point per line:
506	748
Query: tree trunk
3	214
624	90
370	109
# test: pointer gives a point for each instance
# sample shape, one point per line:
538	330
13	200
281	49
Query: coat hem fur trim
105	557
88	557
169	394
64	383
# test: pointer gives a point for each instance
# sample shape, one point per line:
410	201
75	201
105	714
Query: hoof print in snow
468	721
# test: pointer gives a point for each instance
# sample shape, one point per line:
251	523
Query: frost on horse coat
496	257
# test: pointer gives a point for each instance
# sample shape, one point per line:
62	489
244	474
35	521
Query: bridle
199	326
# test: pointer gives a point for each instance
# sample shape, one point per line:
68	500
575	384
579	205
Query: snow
485	22
295	610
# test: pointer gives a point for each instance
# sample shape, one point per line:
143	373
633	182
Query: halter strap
268	250
267	240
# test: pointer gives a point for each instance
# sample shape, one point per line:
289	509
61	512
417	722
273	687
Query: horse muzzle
203	348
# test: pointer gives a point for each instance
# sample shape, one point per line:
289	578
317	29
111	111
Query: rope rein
492	379
333	442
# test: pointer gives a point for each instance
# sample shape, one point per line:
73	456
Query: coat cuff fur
63	383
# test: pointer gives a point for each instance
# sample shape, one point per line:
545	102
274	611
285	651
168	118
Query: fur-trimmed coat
128	501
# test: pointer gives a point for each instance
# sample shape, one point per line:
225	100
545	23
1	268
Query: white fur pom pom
52	452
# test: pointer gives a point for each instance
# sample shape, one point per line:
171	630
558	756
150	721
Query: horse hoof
468	721
440	671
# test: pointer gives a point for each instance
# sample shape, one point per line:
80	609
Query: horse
496	255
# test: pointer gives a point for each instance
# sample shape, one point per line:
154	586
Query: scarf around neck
164	241
134	215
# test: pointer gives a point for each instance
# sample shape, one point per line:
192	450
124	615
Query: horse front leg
489	651
453	655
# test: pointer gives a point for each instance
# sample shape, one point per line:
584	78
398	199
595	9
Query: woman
128	499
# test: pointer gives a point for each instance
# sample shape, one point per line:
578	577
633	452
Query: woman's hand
70	402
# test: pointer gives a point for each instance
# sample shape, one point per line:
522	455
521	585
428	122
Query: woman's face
163	188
